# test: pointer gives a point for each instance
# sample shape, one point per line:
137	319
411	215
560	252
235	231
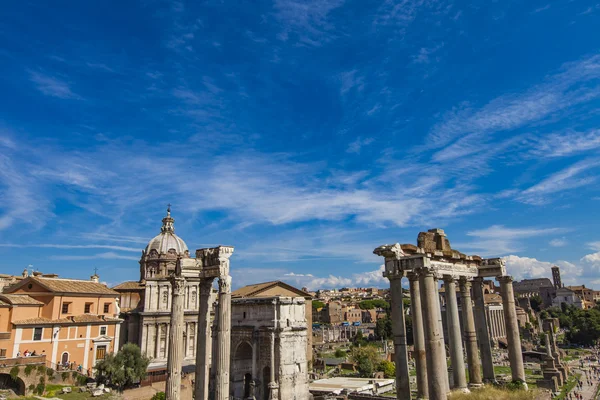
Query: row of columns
428	334
221	359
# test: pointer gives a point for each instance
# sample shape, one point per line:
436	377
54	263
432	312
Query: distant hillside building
531	287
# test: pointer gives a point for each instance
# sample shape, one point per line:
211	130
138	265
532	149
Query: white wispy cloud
565	144
498	240
308	19
71	246
100	256
52	86
565	179
561	91
558	242
358	144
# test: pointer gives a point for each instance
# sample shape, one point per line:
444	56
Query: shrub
14	372
64	376
41	369
49	372
159	396
39	389
31	387
42	380
29	369
74	375
339	353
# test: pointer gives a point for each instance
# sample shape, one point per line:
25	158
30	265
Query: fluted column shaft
418	336
175	355
513	337
470	335
434	342
399	332
223	340
454	337
482	331
203	340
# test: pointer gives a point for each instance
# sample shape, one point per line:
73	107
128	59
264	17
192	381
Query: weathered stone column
399	332
273	385
434	342
470	336
513	337
438	312
485	348
418	336
222	355
454	336
203	340
175	355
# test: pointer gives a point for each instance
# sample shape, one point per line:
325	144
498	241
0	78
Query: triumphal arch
424	265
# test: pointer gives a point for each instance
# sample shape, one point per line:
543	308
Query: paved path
587	391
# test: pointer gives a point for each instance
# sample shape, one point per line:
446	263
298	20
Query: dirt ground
146	393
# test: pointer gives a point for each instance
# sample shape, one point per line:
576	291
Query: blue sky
304	133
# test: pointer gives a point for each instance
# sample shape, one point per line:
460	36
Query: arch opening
16	385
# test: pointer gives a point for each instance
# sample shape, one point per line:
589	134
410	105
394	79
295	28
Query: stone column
454	336
175	355
438	312
223	340
513	337
273	385
399	332
203	340
485	347
470	336
418	336
434	342
157	333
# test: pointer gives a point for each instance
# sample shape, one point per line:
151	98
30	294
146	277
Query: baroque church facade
146	304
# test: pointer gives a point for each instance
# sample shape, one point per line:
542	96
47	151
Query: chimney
95	278
25	273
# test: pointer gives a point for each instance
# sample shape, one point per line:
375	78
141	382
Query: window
106	308
65	308
2	353
37	333
100	352
103	330
88	308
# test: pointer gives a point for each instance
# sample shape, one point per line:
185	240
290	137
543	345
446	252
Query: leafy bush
159	396
124	368
339	353
29	369
41	369
388	368
49	372
74	375
31	387
64	376
39	389
366	359
14	372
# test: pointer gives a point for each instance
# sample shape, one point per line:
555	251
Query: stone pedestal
203	342
470	335
222	362
512	329
483	335
459	378
434	342
399	332
418	336
175	355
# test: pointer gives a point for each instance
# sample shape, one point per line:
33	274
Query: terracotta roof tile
129	285
19	299
86	318
73	286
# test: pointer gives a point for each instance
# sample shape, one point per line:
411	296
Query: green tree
159	396
359	339
123	368
366	359
383	328
372	304
536	302
388	368
316	304
339	353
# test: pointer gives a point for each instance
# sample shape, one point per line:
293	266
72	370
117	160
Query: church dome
167	242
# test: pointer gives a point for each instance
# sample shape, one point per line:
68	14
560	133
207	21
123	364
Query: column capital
478	280
412	276
395	275
178	284
449	278
464	283
225	284
505	279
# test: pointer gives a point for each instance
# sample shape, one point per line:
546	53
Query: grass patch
567	387
494	393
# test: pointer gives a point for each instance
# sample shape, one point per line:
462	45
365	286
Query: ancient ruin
433	259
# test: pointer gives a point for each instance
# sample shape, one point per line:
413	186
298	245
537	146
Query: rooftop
61	285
